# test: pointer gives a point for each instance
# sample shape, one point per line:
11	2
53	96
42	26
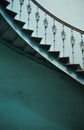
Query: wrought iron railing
49	26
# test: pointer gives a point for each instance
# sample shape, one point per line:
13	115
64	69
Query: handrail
57	19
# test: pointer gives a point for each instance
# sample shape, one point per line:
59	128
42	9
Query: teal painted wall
34	97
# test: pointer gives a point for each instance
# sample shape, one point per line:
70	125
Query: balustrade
70	46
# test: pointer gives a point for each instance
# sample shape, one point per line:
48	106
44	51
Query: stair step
11	13
64	60
80	73
73	67
36	39
4	3
54	53
27	31
45	46
19	23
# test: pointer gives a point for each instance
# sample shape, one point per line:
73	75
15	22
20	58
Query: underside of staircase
20	40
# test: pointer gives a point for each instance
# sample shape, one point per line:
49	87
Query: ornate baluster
21	4
72	40
46	26
54	31
12	4
82	49
37	16
29	9
63	35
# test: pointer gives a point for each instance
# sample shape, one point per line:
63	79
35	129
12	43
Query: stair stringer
38	49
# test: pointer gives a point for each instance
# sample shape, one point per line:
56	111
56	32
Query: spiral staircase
47	88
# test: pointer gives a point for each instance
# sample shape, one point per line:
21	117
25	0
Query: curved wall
35	97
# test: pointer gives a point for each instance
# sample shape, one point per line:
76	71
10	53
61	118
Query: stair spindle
21	4
54	31
63	35
45	26
82	49
12	4
37	16
29	9
72	40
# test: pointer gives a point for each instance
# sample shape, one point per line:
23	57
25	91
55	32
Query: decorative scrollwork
54	31
29	9
82	49
72	40
45	26
63	35
37	16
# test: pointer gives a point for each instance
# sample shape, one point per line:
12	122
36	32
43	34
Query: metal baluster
72	40
54	31
12	4
37	16
21	4
46	26
63	35
29	9
82	49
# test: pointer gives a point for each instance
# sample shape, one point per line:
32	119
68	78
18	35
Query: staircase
21	40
